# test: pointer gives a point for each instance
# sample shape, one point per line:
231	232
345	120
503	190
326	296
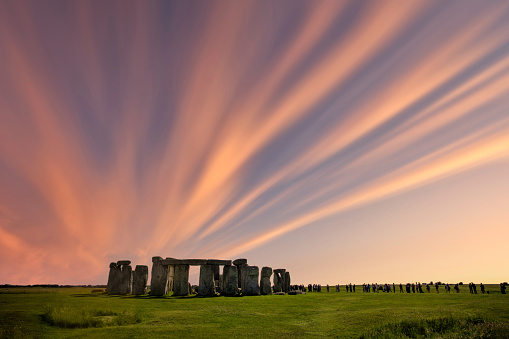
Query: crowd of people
408	288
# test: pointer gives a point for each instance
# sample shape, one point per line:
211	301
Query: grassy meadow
85	312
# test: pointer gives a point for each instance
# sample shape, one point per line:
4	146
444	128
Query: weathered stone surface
181	280
159	279
140	278
219	262
154	259
265	286
195	262
126	283
206	287
114	279
238	262
251	286
123	262
279	280
230	281
241	272
286	286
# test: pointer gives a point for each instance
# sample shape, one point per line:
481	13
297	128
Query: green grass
77	312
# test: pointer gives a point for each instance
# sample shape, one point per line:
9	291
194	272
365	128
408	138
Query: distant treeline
50	285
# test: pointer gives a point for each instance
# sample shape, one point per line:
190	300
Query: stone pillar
159	279
114	279
140	279
241	266
251	286
230	281
206	287
265	286
126	276
181	280
279	279
286	287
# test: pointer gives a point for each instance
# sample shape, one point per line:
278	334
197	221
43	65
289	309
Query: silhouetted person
482	288
413	288
354	287
327	288
400	288
436	286
502	288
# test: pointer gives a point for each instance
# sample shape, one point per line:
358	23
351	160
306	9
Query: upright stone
230	281
114	279
206	287
181	280
265	287
286	286
251	286
126	283
159	279
241	272
140	279
279	280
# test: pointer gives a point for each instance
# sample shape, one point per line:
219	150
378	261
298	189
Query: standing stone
279	279
126	283
160	276
286	287
114	279
251	285
230	281
241	272
140	279
206	287
181	280
265	287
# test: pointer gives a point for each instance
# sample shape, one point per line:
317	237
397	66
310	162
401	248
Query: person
327	288
482	288
447	288
400	288
457	288
393	287
502	288
354	287
474	288
436	286
470	289
428	288
413	288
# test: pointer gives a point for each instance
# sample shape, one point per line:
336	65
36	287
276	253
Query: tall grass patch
448	327
67	317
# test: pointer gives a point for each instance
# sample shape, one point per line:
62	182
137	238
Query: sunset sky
346	141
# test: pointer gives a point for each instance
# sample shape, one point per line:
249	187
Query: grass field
80	312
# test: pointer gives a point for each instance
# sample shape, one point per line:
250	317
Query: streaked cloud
133	130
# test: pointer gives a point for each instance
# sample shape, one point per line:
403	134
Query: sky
345	141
